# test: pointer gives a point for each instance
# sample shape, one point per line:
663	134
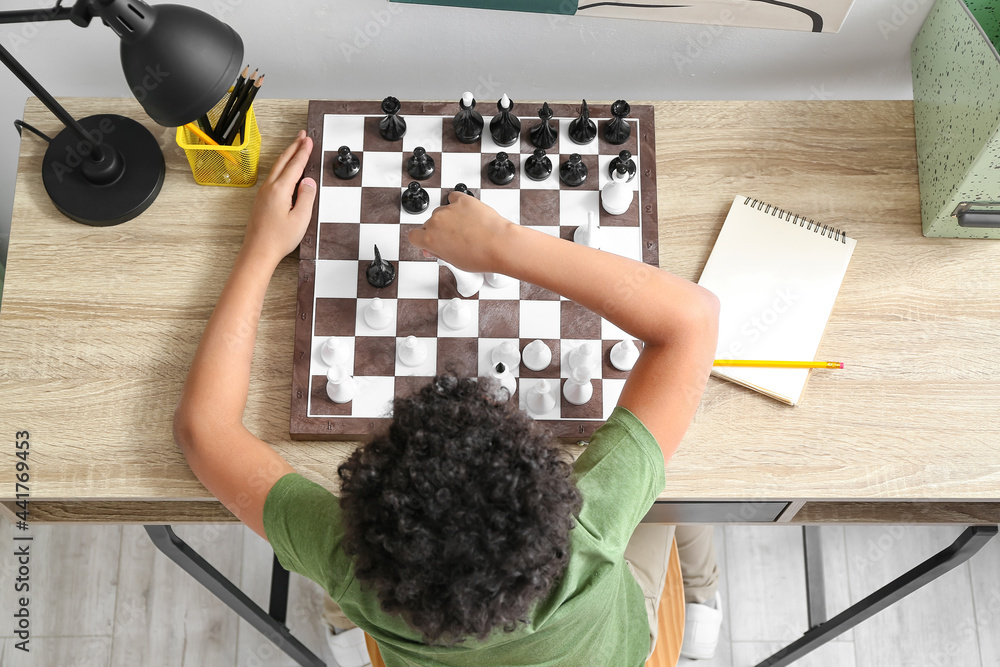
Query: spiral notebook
777	275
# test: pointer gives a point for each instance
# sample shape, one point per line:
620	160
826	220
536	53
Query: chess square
505	202
576	205
611	390
367	291
374	397
577	322
417	317
446	192
428	367
459	356
330	179
320	404
568	346
550	183
433	181
470	330
336	278
624	241
526	385
334	317
592	175
417	280
508	289
451	144
380	205
499	319
630	218
386	237
592	409
486	348
539	207
343	130
461	168
374	140
340	204
631	144
550	371
423	131
486	183
609	331
374	355
361	327
338	241
434	200
608	369
538	319
448	287
530	292
408	251
527	124
382	170
409	385
567	146
316	364
603	165
490	147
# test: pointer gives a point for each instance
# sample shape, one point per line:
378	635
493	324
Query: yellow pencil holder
234	166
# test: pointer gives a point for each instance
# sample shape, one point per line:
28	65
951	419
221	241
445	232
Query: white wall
367	49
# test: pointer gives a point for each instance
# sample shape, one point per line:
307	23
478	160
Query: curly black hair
459	517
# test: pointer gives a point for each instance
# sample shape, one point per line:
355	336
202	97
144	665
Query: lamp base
103	205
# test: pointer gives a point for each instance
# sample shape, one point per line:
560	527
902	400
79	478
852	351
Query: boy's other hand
466	233
276	227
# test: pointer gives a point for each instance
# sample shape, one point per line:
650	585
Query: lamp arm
80	14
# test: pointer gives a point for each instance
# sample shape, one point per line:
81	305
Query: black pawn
617	131
468	122
348	165
505	127
538	167
393	126
500	170
582	130
622	164
420	165
544	135
460	187
415	199
380	273
573	172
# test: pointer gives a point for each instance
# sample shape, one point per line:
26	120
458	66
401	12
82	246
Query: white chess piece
505	101
467	99
583	355
588	234
412	351
540	399
616	196
334	352
497	280
624	354
502	374
377	315
578	389
467	283
506	353
456	315
537	355
340	386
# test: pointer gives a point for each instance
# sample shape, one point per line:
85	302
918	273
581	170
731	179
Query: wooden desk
98	327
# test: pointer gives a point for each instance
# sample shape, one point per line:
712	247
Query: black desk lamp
178	61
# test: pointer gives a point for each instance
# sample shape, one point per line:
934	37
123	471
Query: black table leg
962	549
271	627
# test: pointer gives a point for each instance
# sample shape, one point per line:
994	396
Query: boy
461	537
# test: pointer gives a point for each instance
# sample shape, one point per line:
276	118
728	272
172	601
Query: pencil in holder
234	166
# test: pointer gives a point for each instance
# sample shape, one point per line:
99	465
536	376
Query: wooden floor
103	596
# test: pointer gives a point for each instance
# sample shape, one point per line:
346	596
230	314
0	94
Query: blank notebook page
777	276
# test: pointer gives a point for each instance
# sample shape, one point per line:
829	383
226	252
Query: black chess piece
380	273
573	172
622	164
468	123
420	165
582	130
393	126
538	167
347	164
617	131
544	135
460	187
500	170
415	198
505	127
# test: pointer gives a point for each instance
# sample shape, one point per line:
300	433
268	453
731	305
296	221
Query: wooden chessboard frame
335	427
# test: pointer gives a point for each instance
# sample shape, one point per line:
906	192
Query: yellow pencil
210	141
758	363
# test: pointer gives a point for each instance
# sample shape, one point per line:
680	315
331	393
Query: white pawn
506	353
497	280
466	282
578	389
588	234
456	315
583	355
340	386
540	399
624	354
616	196
334	352
537	355
412	351
502	374
377	316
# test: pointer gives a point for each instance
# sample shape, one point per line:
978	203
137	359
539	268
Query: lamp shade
178	61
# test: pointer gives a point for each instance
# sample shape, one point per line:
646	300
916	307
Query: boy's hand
276	227
466	233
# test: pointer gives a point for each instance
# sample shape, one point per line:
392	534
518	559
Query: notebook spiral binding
810	224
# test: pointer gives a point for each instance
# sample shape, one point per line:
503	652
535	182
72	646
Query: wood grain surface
98	326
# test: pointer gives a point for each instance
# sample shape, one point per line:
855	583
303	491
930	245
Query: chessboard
351	217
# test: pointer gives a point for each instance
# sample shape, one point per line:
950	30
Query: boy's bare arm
237	467
676	319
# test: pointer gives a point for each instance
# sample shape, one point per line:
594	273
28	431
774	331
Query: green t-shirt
594	615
